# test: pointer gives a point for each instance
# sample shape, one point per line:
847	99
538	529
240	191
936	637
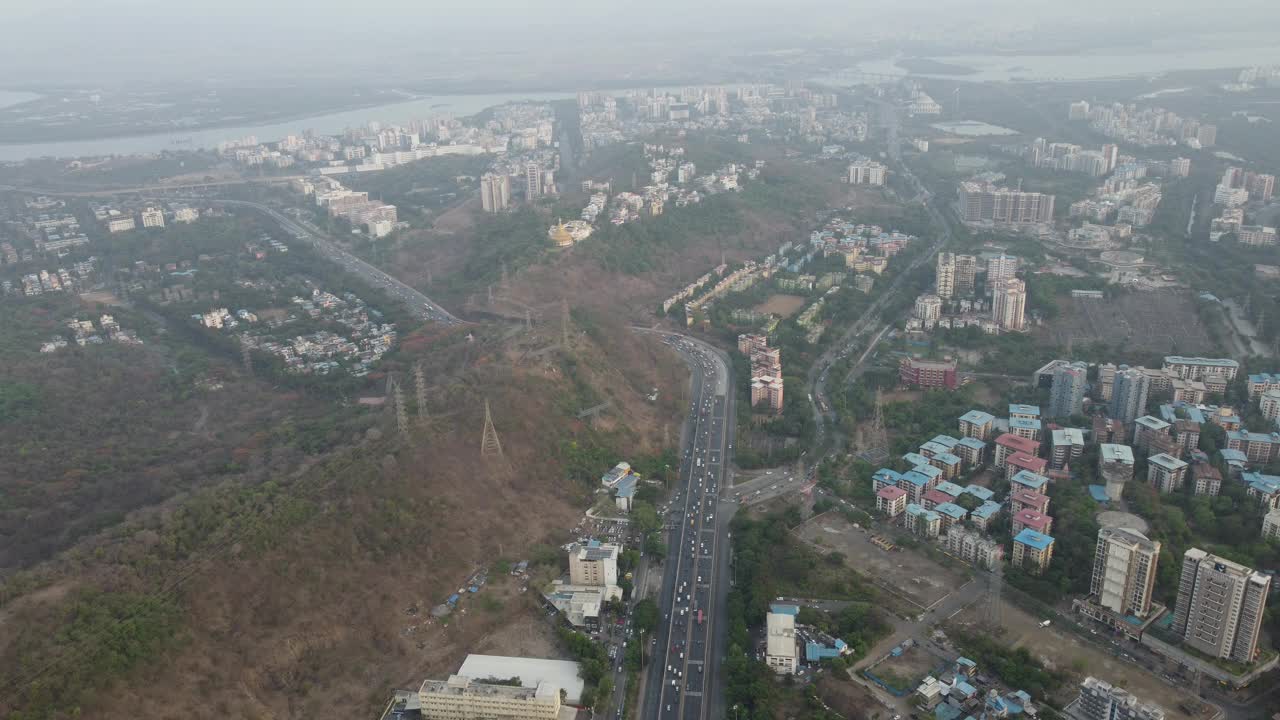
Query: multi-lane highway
420	305
683	680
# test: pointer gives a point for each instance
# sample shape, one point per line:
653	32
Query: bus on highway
699	617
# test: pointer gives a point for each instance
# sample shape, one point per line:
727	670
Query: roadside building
928	374
461	697
780	645
973	548
1220	606
1100	701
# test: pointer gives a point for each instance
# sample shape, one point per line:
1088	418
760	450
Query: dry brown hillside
307	595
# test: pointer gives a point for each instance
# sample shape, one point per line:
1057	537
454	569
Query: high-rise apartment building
1124	571
945	275
152	217
966	271
1101	701
495	192
780	638
928	308
984	202
1000	268
867	172
1066	396
1129	390
1009	303
1220	606
532	181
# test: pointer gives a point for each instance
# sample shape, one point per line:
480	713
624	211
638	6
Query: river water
327	124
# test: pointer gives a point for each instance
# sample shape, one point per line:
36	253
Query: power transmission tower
876	437
528	319
504	279
564	322
994	584
504	273
246	355
402	412
420	385
490	447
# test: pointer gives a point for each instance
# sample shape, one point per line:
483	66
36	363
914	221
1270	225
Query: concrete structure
928	373
1000	268
495	192
966	274
581	604
867	172
1066	396
530	671
1207	479
945	275
1269	403
594	564
923	522
1146	428
1008	305
1271	525
1115	465
983	515
1100	701
928	309
971	450
152	217
1028	518
1022	498
892	501
1027	480
460	698
976	424
1124	571
1022	462
1032	550
780	643
1196	368
973	548
1129	390
1166	473
1258	447
1028	428
1220	606
533	187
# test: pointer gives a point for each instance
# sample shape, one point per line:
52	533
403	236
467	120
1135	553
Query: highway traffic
683	678
419	304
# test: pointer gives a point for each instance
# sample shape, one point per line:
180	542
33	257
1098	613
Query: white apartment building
1009	304
460	698
780	645
1220	606
1124	571
153	217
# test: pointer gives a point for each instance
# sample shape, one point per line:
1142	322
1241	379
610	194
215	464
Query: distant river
331	123
1207	52
12	97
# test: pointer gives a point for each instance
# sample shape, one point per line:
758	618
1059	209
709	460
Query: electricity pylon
490	446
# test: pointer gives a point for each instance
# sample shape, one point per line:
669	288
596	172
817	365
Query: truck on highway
700	616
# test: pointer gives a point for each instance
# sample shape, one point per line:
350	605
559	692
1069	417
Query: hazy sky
127	41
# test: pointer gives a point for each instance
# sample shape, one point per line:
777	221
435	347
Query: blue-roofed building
1030	480
932	448
926	523
971	450
965	666
1030	412
930	471
962	690
976	424
950	464
1236	460
1265	488
1028	428
816	652
885	477
982	515
947	711
1032	550
915	459
950	488
624	492
951	514
1262	382
945	440
979	492
1172	412
1258	447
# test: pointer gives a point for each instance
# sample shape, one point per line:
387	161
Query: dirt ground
850	699
910	667
783	305
527	633
910	575
1066	651
1153	322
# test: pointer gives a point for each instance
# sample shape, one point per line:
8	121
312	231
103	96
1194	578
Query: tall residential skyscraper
532	181
1100	701
1220	606
1129	389
1000	268
1009	303
984	202
1066	396
1124	571
495	192
966	270
945	275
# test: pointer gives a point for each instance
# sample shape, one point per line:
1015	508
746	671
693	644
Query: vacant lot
1138	322
1066	651
782	305
908	575
905	671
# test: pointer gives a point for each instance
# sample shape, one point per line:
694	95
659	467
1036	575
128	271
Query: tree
645	615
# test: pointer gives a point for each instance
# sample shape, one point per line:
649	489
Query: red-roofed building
1022	461
1028	518
1024	499
928	374
934	498
1008	444
891	500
